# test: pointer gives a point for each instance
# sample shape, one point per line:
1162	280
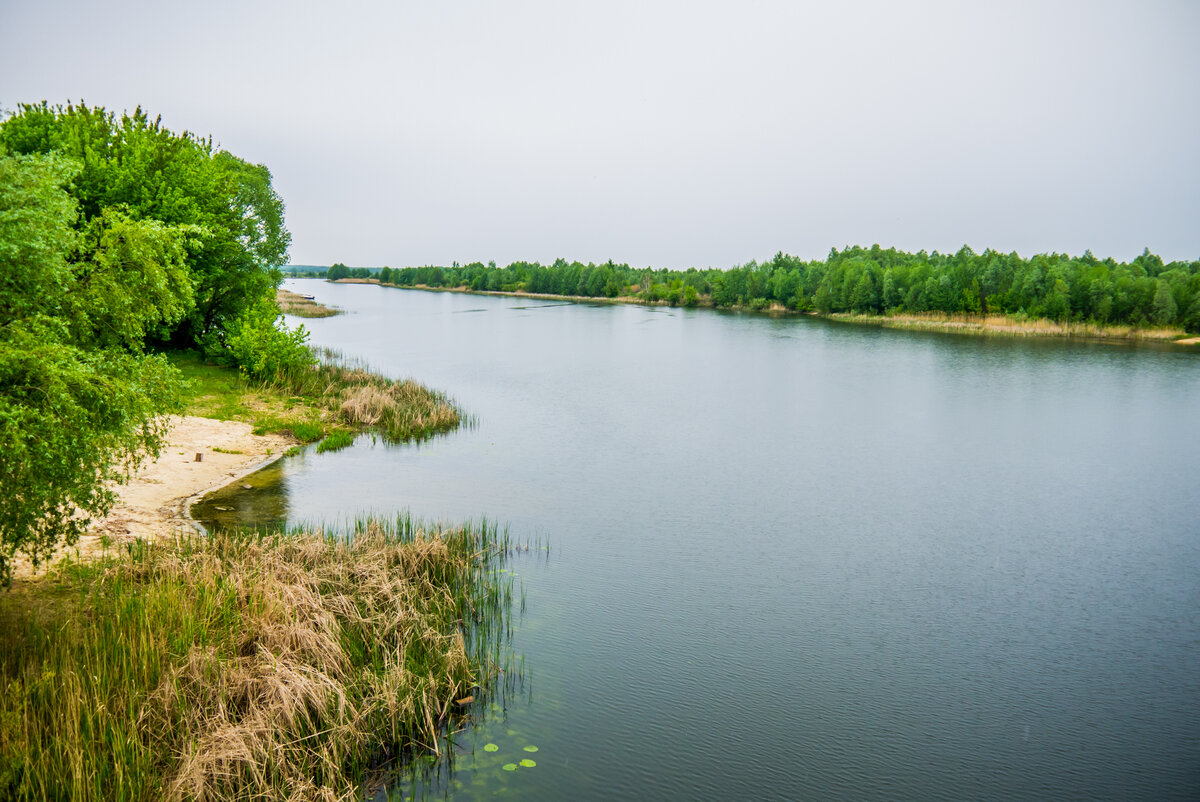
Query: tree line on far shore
1143	292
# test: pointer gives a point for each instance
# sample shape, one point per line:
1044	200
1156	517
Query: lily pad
509	767
490	748
527	763
531	749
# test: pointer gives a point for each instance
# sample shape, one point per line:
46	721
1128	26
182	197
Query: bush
263	348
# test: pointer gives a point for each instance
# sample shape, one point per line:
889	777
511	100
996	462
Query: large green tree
132	169
79	406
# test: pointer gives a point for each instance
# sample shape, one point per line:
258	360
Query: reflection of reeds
246	665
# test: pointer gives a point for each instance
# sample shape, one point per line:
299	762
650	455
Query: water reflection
258	500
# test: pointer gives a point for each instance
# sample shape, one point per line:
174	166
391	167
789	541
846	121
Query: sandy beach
155	502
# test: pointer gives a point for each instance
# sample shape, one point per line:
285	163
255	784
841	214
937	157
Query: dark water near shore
800	559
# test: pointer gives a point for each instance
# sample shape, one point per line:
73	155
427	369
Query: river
793	558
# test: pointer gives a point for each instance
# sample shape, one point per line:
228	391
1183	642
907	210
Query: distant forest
1143	292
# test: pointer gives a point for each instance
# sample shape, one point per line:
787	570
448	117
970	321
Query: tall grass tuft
246	666
400	410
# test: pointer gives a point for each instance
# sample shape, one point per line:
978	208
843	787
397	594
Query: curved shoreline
157	500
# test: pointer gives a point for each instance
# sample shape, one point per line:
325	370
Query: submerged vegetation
1143	293
247	666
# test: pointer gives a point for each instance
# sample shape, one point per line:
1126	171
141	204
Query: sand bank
154	503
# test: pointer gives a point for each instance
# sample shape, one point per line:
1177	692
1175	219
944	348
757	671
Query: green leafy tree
337	271
74	417
133	169
1165	308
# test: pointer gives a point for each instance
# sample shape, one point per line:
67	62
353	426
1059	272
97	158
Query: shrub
263	348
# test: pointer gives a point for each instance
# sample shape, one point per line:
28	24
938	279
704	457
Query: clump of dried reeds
245	666
355	396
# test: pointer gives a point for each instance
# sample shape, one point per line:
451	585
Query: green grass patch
336	441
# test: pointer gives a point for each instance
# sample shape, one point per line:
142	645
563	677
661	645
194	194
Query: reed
331	396
247	665
355	396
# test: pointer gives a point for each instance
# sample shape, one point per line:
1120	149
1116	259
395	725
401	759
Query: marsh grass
331	396
335	442
244	665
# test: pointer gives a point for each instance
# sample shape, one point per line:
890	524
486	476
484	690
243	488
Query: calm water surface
794	559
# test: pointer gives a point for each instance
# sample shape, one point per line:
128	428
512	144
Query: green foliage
117	235
135	281
74	416
336	441
36	216
262	348
146	172
72	422
337	271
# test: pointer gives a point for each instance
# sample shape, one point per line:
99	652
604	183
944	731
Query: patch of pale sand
155	502
1188	341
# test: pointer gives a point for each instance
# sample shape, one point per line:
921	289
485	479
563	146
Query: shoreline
156	502
998	325
985	325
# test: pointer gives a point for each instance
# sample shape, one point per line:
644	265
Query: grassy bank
245	666
1010	326
329	400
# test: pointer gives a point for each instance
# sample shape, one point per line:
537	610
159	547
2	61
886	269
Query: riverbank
1004	326
994	325
152	661
245	665
201	455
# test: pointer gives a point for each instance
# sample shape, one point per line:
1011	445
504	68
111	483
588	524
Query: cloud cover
669	134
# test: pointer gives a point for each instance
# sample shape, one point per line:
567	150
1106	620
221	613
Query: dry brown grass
244	666
1013	327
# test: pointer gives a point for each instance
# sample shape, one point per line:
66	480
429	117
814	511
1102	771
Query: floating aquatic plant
527	763
491	748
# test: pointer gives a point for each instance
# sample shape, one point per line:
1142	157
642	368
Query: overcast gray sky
669	134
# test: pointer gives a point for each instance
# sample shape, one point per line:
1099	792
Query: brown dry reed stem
244	666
